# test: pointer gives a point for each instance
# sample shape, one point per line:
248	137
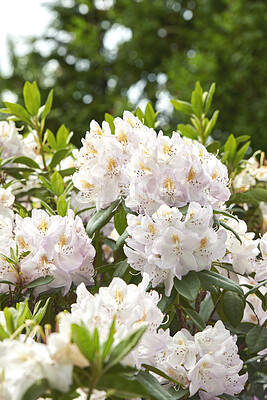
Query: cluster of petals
23	363
130	305
168	244
242	255
207	362
14	144
47	245
148	169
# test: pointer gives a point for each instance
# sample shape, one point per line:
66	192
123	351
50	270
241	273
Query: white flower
58	246
243	255
167	245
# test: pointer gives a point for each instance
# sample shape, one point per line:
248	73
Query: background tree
108	55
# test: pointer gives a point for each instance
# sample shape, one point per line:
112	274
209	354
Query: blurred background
107	55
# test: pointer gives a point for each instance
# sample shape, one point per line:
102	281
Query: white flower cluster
132	307
168	245
149	170
242	255
58	246
14	144
208	362
24	363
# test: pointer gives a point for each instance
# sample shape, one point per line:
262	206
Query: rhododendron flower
168	245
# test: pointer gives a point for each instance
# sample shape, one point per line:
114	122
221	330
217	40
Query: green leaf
209	97
9	319
162	374
259	194
62	136
120	220
195	317
121	268
240	153
125	387
83	339
230	147
43	280
57	183
23	313
197	100
51	140
100	218
18	111
233	307
48	104
256	339
125	346
32	98
140	114
26	161
188	286
62	206
58	156
39	312
213	147
211	124
242	138
213	278
107	345
110	120
150	117
182	106
3	333
153	387
166	301
121	240
36	390
48	208
188	131
255	288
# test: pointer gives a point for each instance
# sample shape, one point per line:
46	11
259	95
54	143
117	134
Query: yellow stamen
111	164
168	184
191	175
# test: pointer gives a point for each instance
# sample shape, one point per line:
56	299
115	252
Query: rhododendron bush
133	267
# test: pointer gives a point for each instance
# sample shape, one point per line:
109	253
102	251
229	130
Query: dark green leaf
153	387
124	387
195	317
256	339
43	280
233	307
58	156
36	391
188	286
120	221
125	346
26	161
214	278
100	218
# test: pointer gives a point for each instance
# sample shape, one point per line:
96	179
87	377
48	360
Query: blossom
243	255
147	169
48	245
168	245
24	363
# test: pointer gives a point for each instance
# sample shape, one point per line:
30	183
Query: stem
242	347
179	314
200	297
214	308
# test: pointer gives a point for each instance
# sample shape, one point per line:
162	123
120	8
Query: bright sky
19	19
